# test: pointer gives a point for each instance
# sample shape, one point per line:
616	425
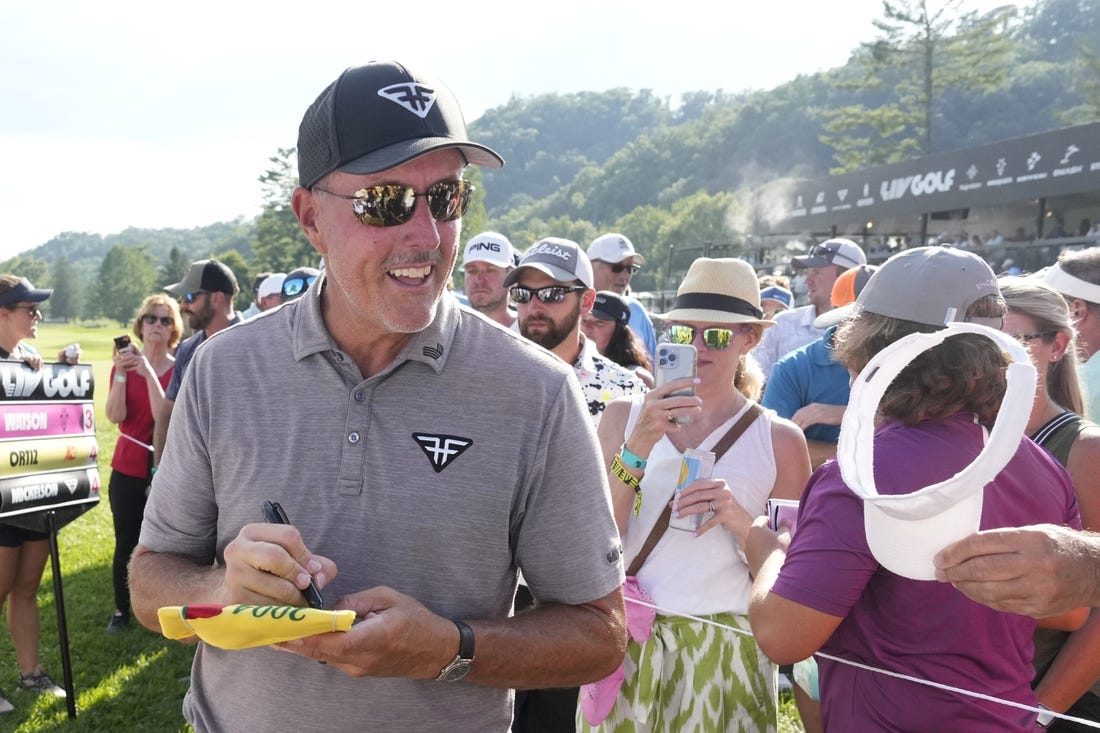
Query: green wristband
632	459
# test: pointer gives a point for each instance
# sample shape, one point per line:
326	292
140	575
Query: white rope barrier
898	675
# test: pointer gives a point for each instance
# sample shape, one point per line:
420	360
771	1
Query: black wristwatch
460	665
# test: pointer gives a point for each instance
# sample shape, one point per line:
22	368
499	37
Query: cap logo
441	450
491	246
414	97
551	249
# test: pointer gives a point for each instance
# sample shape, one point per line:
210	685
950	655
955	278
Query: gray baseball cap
561	259
930	285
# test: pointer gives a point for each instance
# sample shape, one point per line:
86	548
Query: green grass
134	680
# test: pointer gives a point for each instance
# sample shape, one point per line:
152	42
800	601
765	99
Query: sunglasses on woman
552	294
392	204
718	339
150	319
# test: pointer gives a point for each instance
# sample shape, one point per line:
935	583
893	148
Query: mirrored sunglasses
150	319
552	294
619	267
718	339
392	204
296	285
192	297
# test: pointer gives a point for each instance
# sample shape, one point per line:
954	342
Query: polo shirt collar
430	346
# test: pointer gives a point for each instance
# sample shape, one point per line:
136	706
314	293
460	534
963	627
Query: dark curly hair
966	372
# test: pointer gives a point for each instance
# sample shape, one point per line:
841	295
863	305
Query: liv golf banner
48	450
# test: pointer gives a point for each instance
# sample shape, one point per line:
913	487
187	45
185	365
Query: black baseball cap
610	306
208	275
378	116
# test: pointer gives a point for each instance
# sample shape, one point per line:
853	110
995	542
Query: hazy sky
119	114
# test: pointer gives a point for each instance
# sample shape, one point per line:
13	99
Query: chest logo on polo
441	450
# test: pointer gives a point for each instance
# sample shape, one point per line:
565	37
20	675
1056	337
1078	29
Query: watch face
456	671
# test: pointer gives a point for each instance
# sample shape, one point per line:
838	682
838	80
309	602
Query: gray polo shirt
469	457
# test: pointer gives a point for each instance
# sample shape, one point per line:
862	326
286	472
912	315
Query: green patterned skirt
694	676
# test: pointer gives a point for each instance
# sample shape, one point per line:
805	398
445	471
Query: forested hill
680	172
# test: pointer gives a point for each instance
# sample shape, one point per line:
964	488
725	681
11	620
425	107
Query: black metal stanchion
62	629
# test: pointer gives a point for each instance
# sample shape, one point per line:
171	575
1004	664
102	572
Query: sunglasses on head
718	339
619	267
193	296
393	204
150	319
296	285
552	294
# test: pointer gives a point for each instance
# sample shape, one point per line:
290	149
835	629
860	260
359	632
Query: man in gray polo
382	418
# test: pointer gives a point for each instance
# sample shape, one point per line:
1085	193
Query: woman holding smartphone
138	380
699	673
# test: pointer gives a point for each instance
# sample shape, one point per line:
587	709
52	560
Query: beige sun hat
722	290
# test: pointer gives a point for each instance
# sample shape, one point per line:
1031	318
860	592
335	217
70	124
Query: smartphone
675	361
122	343
782	512
274	514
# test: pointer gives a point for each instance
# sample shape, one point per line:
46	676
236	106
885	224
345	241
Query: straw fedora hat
719	291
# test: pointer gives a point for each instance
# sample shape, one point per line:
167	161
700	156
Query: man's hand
1037	571
396	637
268	563
818	413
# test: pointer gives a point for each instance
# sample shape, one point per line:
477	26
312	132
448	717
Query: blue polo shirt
807	375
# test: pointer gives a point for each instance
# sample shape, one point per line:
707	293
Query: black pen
274	514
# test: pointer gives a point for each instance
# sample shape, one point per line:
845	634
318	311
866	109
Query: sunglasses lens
294	286
386	205
551	295
520	295
448	200
718	338
680	334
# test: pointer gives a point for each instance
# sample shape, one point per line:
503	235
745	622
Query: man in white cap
1076	276
270	293
552	289
848	584
823	264
487	260
614	262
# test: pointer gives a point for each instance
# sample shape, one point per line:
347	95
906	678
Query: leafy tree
125	277
174	269
921	52
28	266
279	244
65	303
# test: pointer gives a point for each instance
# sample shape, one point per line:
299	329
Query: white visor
905	531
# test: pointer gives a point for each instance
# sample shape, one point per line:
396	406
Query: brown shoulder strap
720	448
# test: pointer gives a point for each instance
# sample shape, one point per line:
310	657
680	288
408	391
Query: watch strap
465	640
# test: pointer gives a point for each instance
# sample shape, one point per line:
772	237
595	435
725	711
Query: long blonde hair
1050	312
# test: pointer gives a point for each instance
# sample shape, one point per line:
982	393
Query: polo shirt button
359	396
353	438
